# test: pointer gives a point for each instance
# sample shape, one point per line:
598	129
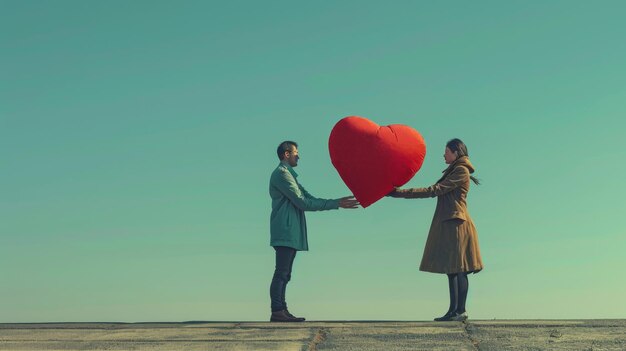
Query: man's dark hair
285	146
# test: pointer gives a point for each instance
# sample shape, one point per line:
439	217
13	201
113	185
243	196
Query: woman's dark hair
284	147
458	146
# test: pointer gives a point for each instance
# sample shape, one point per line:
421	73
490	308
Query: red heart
371	159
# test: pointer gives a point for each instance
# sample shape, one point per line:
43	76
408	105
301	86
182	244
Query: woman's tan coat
452	244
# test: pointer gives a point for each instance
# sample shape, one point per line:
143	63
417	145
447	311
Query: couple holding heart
452	244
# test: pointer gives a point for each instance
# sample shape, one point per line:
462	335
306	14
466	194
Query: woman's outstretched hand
348	202
394	193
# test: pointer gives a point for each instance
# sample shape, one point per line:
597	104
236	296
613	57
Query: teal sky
138	138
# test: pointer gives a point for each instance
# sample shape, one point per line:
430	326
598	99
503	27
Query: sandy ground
533	335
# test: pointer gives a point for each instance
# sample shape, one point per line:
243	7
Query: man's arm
287	185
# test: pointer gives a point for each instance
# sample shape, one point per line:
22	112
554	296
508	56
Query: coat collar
289	168
461	161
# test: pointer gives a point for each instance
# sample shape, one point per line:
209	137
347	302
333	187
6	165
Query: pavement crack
319	338
469	333
555	333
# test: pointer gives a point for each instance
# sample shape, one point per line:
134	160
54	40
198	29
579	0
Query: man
288	224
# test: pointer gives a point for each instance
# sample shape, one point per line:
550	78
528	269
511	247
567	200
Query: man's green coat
289	201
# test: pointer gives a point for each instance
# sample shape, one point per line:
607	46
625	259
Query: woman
452	244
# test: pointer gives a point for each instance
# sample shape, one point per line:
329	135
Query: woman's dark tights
458	284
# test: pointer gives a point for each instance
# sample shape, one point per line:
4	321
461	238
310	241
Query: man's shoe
459	317
284	316
292	316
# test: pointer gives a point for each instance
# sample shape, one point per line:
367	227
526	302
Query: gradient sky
138	138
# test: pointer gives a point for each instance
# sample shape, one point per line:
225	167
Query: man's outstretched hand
348	202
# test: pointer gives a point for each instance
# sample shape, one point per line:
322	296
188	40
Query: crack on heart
394	133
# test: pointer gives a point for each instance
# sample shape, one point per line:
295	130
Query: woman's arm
411	193
457	177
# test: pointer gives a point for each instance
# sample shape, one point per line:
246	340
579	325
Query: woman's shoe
446	317
459	317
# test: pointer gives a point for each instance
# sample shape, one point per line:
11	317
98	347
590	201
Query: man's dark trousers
282	276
